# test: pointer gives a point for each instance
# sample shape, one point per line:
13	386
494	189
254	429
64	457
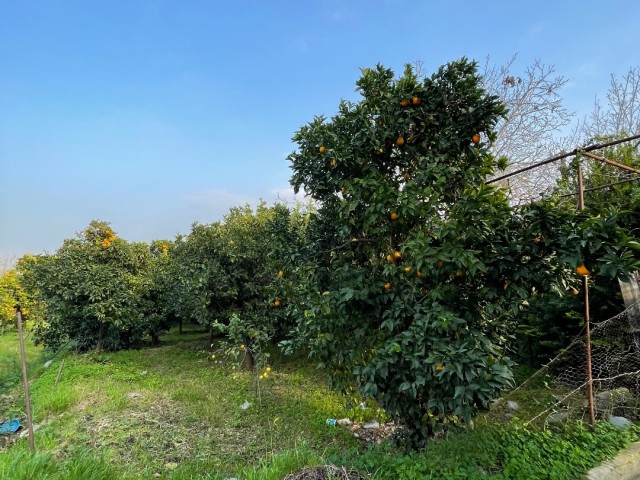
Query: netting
558	391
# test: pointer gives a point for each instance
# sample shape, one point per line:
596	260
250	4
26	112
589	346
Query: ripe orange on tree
322	149
277	303
582	270
397	255
407	269
400	141
573	291
394	216
476	139
281	274
404	102
419	274
387	286
390	258
415	101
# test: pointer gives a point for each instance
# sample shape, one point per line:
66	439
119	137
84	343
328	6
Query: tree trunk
100	338
180	326
251	361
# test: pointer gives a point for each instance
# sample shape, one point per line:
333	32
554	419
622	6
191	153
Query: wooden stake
611	162
580	188
25	379
59	374
587	321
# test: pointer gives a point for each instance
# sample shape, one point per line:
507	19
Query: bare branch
536	117
621	116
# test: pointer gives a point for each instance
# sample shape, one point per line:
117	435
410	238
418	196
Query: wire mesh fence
558	391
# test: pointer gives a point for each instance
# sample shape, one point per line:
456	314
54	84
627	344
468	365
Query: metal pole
25	379
573	152
587	321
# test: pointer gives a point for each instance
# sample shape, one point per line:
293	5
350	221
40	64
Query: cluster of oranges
400	140
415	101
265	374
391	258
108	239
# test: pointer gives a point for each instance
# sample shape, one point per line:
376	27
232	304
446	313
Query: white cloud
286	195
537	28
588	68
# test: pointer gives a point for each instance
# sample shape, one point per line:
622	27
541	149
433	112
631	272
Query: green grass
173	412
10	370
499	452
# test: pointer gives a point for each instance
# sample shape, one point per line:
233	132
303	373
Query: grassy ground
173	412
10	373
170	411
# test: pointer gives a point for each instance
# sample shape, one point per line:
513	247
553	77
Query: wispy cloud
216	199
537	28
588	68
341	15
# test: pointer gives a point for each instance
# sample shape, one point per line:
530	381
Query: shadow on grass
191	334
10	368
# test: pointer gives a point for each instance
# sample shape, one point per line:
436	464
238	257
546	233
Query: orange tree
11	294
196	286
154	299
227	275
251	242
414	279
415	263
593	238
91	290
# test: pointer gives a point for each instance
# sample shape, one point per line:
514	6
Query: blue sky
155	114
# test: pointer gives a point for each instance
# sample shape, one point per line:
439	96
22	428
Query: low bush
512	453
